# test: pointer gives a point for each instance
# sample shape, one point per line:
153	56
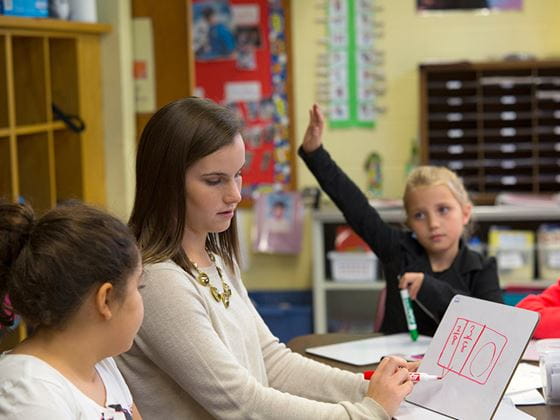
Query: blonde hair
431	176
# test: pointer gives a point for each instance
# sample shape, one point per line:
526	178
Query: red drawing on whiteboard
472	350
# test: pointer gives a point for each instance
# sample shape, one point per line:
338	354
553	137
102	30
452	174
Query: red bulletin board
241	55
211	74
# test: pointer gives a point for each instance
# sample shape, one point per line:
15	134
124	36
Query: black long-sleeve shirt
470	273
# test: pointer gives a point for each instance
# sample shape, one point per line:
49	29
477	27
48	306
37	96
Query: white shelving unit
350	301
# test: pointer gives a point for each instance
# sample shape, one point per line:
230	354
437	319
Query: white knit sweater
195	359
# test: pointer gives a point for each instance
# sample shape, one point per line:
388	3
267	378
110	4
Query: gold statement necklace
203	279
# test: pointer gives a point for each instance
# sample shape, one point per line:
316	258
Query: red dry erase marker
414	376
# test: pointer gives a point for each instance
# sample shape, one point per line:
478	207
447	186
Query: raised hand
313	137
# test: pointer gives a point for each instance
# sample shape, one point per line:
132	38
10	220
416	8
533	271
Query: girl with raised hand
431	260
73	276
203	351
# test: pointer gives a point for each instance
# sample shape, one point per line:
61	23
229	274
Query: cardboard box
28	8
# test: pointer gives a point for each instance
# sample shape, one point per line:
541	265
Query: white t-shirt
32	389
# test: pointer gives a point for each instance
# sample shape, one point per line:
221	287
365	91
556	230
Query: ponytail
50	265
16	223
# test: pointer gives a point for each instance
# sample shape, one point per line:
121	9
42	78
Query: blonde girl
431	260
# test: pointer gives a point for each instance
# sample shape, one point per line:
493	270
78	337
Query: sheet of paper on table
522	388
506	411
370	350
531	354
532	397
525	378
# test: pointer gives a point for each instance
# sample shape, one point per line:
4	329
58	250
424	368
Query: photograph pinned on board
213	37
279	223
279	215
248	40
374	175
224	31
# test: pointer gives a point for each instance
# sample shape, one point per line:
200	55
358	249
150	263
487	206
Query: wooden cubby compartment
4	116
497	124
34	173
548	154
42	160
68	158
5	168
63	70
30	88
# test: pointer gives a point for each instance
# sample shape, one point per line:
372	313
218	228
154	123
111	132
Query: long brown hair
177	136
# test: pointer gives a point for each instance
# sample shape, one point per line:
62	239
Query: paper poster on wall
279	223
249	77
248	35
212	31
143	66
243	92
352	75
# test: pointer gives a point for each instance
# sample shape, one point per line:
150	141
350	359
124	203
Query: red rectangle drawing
471	350
446	355
476	348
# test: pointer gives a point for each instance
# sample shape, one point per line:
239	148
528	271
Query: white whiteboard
370	350
476	349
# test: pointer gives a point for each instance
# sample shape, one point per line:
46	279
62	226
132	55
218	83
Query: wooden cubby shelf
45	62
497	124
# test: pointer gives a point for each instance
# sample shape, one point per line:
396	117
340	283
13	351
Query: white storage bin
353	266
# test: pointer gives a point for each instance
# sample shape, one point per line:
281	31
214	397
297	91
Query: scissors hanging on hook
73	122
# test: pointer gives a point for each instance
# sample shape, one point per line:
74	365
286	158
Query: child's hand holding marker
412	282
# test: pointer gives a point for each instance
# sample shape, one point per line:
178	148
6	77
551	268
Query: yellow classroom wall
409	39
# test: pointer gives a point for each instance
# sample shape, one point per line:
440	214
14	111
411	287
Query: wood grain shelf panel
46	61
497	124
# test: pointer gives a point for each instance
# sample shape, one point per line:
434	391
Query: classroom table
299	344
